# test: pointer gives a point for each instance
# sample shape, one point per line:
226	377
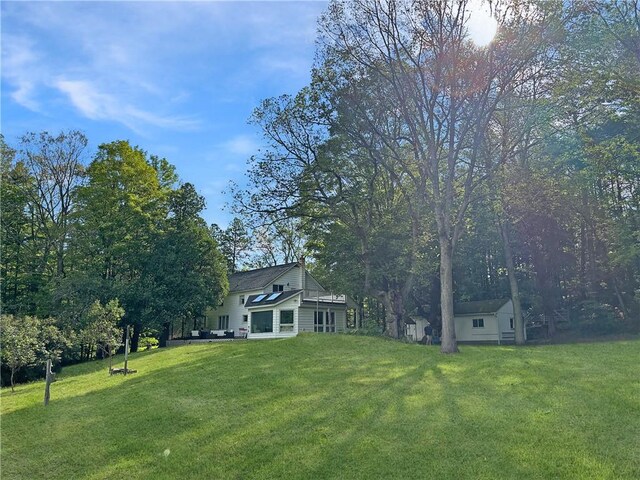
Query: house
278	302
486	321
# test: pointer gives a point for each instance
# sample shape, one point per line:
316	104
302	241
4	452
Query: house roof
270	298
482	306
257	279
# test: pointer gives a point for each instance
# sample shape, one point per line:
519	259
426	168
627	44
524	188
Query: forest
415	170
425	170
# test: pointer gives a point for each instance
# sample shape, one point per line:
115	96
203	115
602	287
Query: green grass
335	407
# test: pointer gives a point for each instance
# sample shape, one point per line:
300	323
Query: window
223	322
511	323
245	318
331	322
278	288
324	321
262	322
318	321
286	320
241	299
478	323
259	298
273	296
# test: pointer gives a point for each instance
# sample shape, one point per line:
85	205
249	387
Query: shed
485	321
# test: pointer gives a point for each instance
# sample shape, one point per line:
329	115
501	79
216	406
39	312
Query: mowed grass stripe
336	406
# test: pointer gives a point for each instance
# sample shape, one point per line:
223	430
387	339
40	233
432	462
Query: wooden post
49	379
126	350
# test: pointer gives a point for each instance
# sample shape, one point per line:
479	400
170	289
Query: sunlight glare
481	25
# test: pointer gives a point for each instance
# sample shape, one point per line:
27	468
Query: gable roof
257	279
280	297
481	306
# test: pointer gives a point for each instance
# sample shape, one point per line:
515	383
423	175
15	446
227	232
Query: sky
178	79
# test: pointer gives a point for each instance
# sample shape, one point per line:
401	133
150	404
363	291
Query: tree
278	241
14	230
185	271
21	342
28	341
349	206
234	243
55	164
103	328
403	85
121	210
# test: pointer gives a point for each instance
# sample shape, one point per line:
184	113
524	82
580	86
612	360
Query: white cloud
142	63
242	145
20	69
97	105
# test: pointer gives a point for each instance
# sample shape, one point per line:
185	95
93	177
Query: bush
595	318
148	342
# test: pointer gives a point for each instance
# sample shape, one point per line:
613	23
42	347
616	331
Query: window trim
288	326
258	313
223	322
318	321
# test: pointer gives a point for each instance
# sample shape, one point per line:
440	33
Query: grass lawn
338	406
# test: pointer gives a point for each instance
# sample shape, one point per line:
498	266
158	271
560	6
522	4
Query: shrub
148	342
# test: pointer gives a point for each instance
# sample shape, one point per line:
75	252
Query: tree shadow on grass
287	410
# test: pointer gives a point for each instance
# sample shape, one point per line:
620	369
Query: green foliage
103	326
28	341
147	343
234	242
594	318
73	236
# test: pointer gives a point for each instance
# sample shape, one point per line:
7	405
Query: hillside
335	407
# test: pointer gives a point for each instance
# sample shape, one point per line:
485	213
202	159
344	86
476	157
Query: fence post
126	350
47	385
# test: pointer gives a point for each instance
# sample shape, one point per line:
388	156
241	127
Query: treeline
118	227
425	169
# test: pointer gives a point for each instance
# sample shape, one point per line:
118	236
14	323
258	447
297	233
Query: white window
318	321
286	320
331	322
245	318
511	323
223	322
241	299
278	288
478	323
324	321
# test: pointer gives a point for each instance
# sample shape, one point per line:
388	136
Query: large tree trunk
135	338
448	337
164	336
518	320
393	306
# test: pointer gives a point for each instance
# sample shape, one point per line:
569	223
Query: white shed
486	321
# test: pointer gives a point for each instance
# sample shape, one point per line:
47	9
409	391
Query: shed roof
257	279
481	306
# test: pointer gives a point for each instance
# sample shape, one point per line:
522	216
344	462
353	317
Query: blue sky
178	79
